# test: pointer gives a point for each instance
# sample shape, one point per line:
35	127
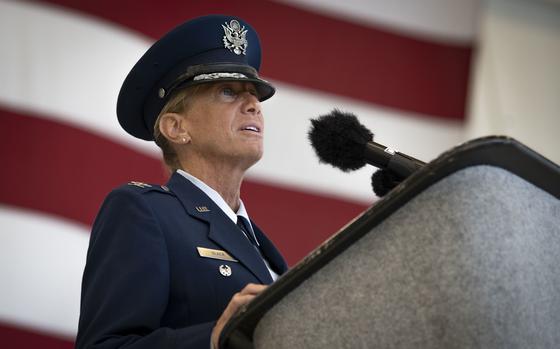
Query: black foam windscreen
339	139
383	181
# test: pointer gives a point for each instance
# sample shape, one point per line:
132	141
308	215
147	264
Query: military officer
168	265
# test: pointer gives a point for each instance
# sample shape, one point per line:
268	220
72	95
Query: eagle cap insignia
235	38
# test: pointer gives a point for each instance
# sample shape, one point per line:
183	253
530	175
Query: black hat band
209	72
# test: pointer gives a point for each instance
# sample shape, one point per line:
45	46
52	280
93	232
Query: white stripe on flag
42	262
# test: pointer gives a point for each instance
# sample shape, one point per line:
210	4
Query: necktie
245	227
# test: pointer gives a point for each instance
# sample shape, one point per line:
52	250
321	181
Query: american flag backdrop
402	66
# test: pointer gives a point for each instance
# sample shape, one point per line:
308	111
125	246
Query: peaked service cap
205	49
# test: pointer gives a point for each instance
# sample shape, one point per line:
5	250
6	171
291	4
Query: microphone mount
383	157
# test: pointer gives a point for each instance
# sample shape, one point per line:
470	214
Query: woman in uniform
168	265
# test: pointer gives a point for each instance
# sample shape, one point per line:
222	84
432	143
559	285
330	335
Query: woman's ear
173	127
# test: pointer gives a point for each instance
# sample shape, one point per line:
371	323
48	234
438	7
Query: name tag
215	254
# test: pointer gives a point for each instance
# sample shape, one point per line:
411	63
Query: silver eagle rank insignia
235	38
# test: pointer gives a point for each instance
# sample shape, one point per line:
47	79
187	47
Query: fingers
247	294
253	289
243	297
237	301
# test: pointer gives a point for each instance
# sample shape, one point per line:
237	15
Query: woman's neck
224	179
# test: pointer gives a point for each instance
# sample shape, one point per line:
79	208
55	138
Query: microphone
383	181
340	140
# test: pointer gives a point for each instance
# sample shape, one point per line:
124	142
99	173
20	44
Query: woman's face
225	123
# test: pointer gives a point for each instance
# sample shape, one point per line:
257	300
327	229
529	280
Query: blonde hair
178	103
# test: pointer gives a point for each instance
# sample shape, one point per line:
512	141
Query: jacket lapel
270	252
222	230
230	238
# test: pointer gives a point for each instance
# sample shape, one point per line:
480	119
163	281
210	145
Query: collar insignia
235	37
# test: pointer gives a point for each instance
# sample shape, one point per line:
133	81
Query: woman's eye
228	92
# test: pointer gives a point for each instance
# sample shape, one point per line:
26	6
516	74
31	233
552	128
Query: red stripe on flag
65	171
320	52
296	221
62	170
13	337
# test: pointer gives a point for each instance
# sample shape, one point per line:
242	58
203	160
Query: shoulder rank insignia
139	184
235	38
202	209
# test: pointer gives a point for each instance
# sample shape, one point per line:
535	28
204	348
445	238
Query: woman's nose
252	104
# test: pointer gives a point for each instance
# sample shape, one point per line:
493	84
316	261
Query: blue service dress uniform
145	284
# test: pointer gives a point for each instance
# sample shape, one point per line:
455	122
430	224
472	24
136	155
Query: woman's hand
238	300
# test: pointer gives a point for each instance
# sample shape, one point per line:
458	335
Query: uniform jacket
145	284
